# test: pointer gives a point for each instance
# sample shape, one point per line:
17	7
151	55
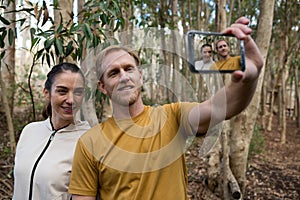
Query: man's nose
123	76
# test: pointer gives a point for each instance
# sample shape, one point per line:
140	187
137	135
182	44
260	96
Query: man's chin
122	100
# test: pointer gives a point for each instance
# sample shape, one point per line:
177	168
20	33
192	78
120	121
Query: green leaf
52	56
22	21
38	54
104	19
79	37
69	48
4	21
87	31
2	44
34	42
4	33
32	33
48	43
2	55
58	30
2	37
10	36
43	58
59	46
48	59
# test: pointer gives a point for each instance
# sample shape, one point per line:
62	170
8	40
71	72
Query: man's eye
112	74
130	68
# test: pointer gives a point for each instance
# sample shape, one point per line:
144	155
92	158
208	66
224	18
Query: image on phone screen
211	52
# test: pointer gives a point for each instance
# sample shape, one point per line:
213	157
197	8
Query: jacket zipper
37	162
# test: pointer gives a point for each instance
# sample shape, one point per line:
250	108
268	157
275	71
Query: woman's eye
62	91
79	92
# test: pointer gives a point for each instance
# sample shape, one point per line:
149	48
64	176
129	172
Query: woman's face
206	53
66	95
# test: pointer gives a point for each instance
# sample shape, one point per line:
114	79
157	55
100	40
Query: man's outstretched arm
239	92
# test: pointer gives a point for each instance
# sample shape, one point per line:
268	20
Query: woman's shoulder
38	124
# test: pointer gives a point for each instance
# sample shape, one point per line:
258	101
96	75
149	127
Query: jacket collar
79	125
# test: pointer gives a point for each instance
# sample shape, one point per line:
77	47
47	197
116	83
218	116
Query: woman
45	149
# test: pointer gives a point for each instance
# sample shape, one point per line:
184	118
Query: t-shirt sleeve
84	175
186	107
181	111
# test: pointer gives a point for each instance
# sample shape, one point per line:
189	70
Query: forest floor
273	173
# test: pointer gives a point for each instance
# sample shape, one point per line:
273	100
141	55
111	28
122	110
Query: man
206	62
139	152
226	62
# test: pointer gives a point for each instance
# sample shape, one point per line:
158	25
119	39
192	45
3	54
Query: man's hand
236	96
254	59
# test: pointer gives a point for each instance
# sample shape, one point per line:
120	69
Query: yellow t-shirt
139	158
232	63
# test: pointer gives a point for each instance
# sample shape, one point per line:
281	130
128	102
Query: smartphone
212	52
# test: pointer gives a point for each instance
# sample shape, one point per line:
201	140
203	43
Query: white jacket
52	173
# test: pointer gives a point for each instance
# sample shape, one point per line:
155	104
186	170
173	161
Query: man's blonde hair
103	53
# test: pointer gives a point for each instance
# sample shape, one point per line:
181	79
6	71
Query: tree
241	136
63	14
7	67
286	44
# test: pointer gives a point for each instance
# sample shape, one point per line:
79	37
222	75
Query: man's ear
101	87
46	94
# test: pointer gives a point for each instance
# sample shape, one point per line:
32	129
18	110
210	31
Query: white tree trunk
243	133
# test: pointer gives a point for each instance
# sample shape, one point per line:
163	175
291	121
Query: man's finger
242	20
237	76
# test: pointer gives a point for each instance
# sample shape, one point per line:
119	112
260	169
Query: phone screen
211	52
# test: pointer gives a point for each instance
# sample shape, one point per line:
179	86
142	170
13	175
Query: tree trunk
231	6
222	15
282	91
219	186
88	110
279	100
199	14
225	160
175	54
8	62
65	8
283	103
127	13
7	74
297	97
164	71
64	11
8	115
272	100
243	134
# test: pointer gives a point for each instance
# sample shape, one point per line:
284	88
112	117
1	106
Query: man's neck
127	112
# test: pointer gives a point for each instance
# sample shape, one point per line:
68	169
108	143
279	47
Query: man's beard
127	100
224	54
